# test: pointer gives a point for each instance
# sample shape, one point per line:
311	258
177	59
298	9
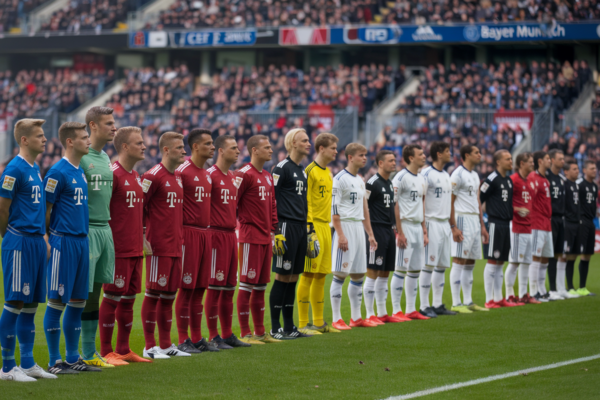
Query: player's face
230	152
205	147
81	142
505	163
302	144
329	152
263	151
558	161
36	141
359	159
419	159
388	165
475	156
545	162
446	156
176	151
528	165
135	147
107	129
572	173
590	172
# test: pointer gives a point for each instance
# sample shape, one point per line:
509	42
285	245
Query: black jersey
588	195
290	191
557	193
497	192
572	203
380	198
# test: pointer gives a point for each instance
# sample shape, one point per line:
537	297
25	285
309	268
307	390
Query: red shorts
255	263
224	263
196	258
128	277
163	274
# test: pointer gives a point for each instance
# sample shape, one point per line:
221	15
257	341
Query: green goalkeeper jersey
99	175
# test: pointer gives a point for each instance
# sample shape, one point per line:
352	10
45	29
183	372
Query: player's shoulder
490	178
374	180
15	166
342	175
245	170
579	181
155	172
283	164
427	170
180	170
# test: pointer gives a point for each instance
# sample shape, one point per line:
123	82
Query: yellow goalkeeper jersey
320	183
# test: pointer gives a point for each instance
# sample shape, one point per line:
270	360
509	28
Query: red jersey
196	194
127	211
223	202
522	189
163	211
541	212
257	210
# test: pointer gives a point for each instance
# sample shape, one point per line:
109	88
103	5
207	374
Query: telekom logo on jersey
96	178
526	197
78	196
130	199
35	194
171	198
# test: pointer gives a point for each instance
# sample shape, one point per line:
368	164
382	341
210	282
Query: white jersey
347	196
465	186
439	193
408	194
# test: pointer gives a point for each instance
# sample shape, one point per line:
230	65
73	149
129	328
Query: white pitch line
491	378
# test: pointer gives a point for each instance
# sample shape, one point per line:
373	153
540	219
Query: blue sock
52	330
72	330
26	335
8	336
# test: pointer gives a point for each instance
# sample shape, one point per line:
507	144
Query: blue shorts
68	268
23	265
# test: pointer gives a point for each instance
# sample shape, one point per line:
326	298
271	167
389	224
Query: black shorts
498	247
558	234
586	240
292	262
384	258
572	232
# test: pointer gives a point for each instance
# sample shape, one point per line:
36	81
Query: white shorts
520	247
437	252
542	245
353	261
413	257
470	247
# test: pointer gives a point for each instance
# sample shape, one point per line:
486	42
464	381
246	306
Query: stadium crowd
12	11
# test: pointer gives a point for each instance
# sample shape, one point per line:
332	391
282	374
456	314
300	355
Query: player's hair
196	135
466	149
325	140
437	147
554	152
254	141
123	135
68	130
409	151
569	162
166	138
354	148
95	113
588	162
290	137
521	158
25	126
221	140
537	156
498	155
381	156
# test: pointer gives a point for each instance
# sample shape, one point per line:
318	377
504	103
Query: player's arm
10	185
309	199
484	232
274	219
401	240
149	189
423	224
456	233
367	225
336	194
4	208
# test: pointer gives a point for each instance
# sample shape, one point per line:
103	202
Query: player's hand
425	239
313	247
48	248
279	245
401	240
485	236
147	248
522	211
372	243
457	235
343	243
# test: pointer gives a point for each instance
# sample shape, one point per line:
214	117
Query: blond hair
166	138
68	130
24	127
123	135
290	137
325	140
95	113
354	148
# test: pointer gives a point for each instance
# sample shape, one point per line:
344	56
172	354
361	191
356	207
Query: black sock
570	271
584	267
276	299
288	307
552	273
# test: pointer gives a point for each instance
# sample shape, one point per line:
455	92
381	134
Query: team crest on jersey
26	290
162	280
61	290
268	180
432	258
251	274
179	181
287	265
379	261
521	256
497	254
406	261
538	251
187	278
466	252
138	181
220	276
345	265
119	281
209	180
9	183
146	185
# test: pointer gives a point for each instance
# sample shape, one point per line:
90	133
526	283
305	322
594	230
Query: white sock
425	286
335	294
561	267
498	281
396	288
542	279
534	272
489	278
523	278
355	292
369	293
455	275
466	283
381	295
437	286
412	283
511	277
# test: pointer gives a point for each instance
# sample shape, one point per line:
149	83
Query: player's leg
339	259
558	244
473	241
572	246
196	306
149	306
525	259
191	266
458	263
441	263
251	260
547	253
431	257
588	243
262	276
303	295
489	272
414	237
110	303
403	257
356	244
164	312
513	266
388	265
375	260
322	268
282	267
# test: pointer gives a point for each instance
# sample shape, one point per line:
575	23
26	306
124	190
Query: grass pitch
371	363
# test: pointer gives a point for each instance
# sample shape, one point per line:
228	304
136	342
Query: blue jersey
22	183
66	187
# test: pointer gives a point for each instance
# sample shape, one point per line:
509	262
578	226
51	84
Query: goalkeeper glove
279	246
313	248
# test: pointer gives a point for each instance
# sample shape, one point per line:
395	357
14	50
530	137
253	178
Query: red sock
164	320
182	313
243	308
196	309
125	322
257	305
211	309
226	312
149	318
107	324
